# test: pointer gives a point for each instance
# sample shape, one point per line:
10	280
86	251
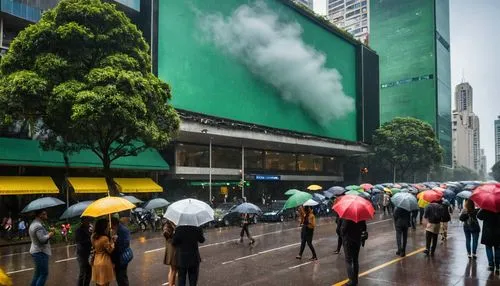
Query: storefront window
254	159
307	162
223	157
280	161
192	155
332	165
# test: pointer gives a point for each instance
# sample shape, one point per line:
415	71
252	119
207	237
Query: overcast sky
475	46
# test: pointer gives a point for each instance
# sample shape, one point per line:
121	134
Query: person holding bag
471	227
170	255
102	266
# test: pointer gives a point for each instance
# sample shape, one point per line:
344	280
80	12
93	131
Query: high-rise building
412	38
352	16
466	139
497	139
482	169
318	6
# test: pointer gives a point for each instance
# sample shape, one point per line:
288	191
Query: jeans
306	237
41	268
401	238
475	238
193	275
351	251
121	275
431	237
489	254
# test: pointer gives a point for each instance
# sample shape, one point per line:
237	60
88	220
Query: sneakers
398	253
298	257
336	252
426	252
468	255
402	254
474	256
491	268
241	240
251	242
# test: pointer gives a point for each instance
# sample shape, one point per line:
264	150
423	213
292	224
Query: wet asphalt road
271	261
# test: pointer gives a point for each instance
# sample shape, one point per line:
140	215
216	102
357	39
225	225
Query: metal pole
1	32
152	34
210	170
243	173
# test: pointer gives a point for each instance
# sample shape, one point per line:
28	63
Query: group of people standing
103	254
182	253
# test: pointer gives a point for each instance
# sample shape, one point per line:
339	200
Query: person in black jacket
401	223
186	239
122	243
83	248
491	238
471	227
338	220
433	214
445	218
351	239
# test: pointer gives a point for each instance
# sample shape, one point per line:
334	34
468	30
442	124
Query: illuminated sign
267	178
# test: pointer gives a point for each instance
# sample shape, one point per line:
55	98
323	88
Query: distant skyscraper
465	132
497	139
412	39
482	170
352	16
318	6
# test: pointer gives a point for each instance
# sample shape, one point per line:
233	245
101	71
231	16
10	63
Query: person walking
491	238
83	248
433	215
471	228
245	222
40	247
170	257
445	219
421	212
401	223
122	254
352	237
185	241
102	265
414	215
21	228
386	203
307	232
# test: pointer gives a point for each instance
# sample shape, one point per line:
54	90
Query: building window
280	161
307	162
223	157
188	155
254	159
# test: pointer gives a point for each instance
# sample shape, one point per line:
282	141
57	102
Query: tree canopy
84	70
407	144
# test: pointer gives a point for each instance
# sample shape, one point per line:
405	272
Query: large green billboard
259	62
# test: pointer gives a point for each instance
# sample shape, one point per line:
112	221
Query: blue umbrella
328	194
380	187
42	203
405	201
464	194
75	210
449	194
319	196
376	191
247	208
338	191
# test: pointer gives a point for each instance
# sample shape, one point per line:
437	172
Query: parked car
275	212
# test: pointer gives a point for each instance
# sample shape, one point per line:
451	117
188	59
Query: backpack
472	223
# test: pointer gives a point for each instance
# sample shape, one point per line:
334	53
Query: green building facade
412	39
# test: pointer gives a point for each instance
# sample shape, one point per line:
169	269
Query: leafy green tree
84	70
495	171
406	144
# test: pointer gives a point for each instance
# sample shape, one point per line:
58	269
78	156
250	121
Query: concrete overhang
195	132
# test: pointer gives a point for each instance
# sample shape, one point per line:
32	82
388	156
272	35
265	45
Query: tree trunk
112	187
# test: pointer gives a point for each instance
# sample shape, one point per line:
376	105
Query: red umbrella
354	208
487	197
366	186
438	189
431	195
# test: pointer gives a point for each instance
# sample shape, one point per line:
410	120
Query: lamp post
205	131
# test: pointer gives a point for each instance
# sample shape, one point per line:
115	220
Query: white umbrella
189	212
247	208
310	203
133	199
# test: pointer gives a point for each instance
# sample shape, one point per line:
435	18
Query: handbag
126	256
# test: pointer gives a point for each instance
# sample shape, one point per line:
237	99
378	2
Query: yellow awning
138	185
88	185
17	185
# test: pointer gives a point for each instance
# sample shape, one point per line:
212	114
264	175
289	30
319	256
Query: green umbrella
353	188
395	190
291	192
352	192
297	199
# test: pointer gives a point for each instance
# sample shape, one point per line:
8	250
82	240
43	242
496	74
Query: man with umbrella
40	247
245	222
83	249
401	223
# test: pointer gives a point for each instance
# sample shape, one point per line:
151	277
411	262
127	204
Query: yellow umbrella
107	205
314	188
4	279
422	203
387	190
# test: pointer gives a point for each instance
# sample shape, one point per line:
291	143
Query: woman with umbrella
170	257
471	227
102	266
308	225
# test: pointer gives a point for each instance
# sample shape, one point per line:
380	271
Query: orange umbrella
431	196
